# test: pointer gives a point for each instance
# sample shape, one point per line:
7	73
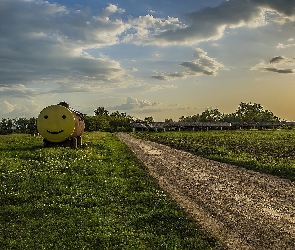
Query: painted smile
55	133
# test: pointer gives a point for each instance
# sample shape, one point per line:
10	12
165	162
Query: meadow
95	197
267	151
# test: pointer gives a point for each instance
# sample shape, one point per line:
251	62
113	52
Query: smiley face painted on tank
56	123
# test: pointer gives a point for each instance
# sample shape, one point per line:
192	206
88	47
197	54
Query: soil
242	208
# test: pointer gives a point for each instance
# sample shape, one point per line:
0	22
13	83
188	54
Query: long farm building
205	126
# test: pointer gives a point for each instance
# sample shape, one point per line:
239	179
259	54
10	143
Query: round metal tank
58	123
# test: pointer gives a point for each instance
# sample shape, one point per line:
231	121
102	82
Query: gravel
242	208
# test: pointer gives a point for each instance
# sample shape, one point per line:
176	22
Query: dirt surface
242	208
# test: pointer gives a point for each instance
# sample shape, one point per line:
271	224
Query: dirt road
243	208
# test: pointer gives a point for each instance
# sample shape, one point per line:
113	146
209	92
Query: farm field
268	151
96	197
244	209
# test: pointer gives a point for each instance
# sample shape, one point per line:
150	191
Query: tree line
18	125
103	120
246	112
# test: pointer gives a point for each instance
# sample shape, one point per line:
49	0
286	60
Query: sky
159	58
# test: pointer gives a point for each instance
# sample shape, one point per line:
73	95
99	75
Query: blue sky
148	58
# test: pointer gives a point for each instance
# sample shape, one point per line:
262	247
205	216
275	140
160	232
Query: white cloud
143	88
19	91
50	45
284	46
277	64
144	27
112	9
211	23
7	107
156	87
20	108
201	65
133	103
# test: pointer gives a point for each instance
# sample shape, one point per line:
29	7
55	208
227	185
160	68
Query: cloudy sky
160	58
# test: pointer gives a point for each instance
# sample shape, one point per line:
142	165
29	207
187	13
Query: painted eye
64	117
45	116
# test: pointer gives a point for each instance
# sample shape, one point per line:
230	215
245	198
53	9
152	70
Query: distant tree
137	120
124	114
169	120
97	123
120	123
114	122
101	111
229	117
182	118
18	125
268	116
196	118
193	118
149	119
254	112
21	125
6	126
246	112
211	115
32	125
116	114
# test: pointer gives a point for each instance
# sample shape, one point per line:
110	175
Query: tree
169	120
254	112
116	114
6	126
21	125
32	125
193	118
246	112
109	123
149	119
268	116
211	115
182	119
101	111
96	123
229	117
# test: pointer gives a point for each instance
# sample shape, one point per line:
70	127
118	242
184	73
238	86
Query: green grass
267	151
96	197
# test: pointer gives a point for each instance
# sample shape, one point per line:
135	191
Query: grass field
97	197
268	151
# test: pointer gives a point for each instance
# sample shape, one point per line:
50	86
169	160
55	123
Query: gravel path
242	208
